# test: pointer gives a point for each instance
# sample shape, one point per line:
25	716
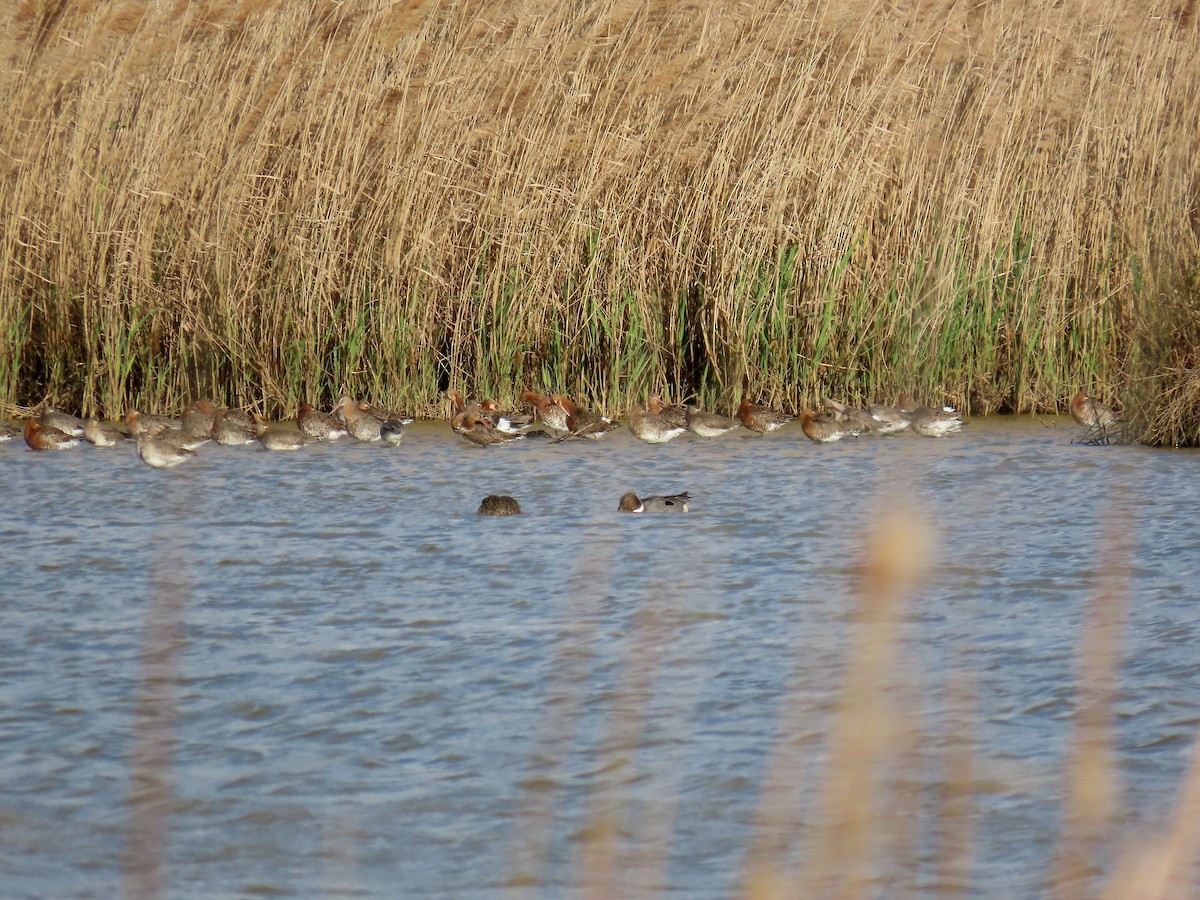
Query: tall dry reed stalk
273	201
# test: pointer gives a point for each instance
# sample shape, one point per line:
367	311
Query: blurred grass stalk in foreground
865	827
889	802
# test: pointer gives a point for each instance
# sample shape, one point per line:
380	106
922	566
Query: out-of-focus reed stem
150	794
1092	779
840	861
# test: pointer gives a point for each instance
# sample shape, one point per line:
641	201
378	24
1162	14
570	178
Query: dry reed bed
271	202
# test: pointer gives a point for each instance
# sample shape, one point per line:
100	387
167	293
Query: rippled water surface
377	693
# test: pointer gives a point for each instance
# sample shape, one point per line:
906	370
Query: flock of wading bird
166	441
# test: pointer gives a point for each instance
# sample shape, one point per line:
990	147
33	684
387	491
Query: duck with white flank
631	503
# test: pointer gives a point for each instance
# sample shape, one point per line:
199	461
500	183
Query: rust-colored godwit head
457	399
565	402
539	401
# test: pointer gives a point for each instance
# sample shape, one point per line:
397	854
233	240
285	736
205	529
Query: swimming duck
510	422
499	505
631	503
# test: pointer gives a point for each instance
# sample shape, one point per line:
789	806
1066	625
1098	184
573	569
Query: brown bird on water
161	454
1091	413
64	422
761	419
480	432
546	411
320	425
856	420
707	424
46	437
149	424
676	414
197	419
101	434
888	419
652	428
499	505
367	427
273	438
230	430
583	422
824	429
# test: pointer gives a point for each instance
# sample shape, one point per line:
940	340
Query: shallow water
378	693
